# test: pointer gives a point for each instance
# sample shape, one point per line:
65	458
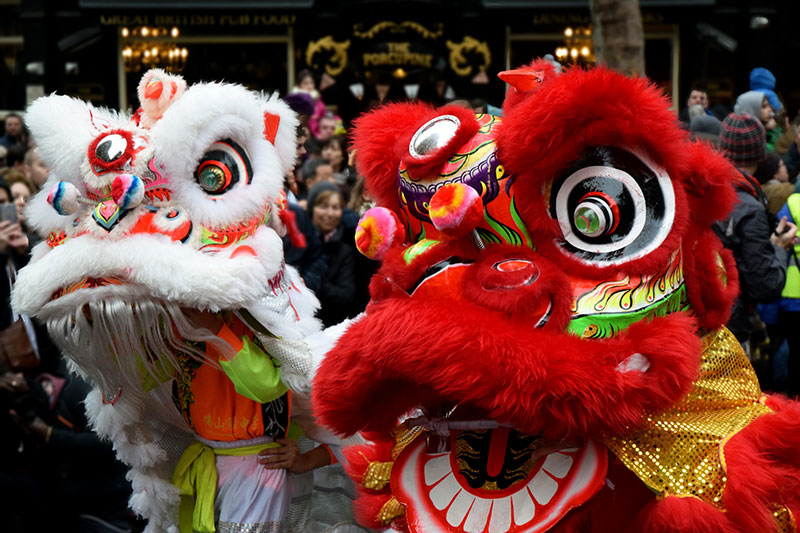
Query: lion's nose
509	274
512	285
127	192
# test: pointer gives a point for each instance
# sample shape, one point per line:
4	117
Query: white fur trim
154	266
63	129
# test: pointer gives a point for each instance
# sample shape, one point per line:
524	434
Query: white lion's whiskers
119	343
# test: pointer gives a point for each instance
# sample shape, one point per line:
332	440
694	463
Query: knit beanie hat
763	80
743	140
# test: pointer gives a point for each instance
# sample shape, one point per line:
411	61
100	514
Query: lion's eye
111	148
433	135
222	166
613	206
111	151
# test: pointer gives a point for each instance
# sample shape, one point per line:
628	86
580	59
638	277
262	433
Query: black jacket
338	292
761	265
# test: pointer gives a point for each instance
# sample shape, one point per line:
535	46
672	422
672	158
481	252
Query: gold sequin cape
681	451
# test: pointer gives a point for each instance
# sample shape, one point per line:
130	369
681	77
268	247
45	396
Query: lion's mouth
496	480
85	283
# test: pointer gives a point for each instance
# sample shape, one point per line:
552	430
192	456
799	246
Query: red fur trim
684	514
359	458
615	507
763	467
366	509
711	300
296	236
381	139
97	163
708	184
396	358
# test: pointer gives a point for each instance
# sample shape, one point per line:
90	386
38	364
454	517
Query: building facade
366	51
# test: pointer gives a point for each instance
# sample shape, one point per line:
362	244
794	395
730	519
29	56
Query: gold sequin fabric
681	450
377	475
390	510
784	519
403	436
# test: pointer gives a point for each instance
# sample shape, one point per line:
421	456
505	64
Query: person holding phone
13	249
21	191
12	238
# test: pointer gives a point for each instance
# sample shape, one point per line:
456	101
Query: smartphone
8	212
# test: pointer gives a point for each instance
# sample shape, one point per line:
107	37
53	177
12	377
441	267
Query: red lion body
563	341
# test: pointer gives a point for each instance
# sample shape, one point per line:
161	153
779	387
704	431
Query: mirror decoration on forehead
163	281
546	343
433	135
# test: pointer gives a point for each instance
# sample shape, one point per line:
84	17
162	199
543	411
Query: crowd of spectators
760	138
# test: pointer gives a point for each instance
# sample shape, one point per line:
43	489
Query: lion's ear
62	128
709	185
280	129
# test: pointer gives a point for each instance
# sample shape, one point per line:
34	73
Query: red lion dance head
545	340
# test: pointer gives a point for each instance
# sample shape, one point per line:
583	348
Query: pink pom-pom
63	196
127	191
377	230
456	209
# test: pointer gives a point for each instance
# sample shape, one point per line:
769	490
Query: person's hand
12	383
37	428
287	456
17	239
5	235
785	235
771	124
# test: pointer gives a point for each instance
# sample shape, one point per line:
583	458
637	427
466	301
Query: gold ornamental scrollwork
459	62
338	59
394	27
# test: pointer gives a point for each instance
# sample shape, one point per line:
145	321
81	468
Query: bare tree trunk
618	36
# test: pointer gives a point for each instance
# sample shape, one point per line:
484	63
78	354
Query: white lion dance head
177	207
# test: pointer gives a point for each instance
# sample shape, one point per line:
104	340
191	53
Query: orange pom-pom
456	209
